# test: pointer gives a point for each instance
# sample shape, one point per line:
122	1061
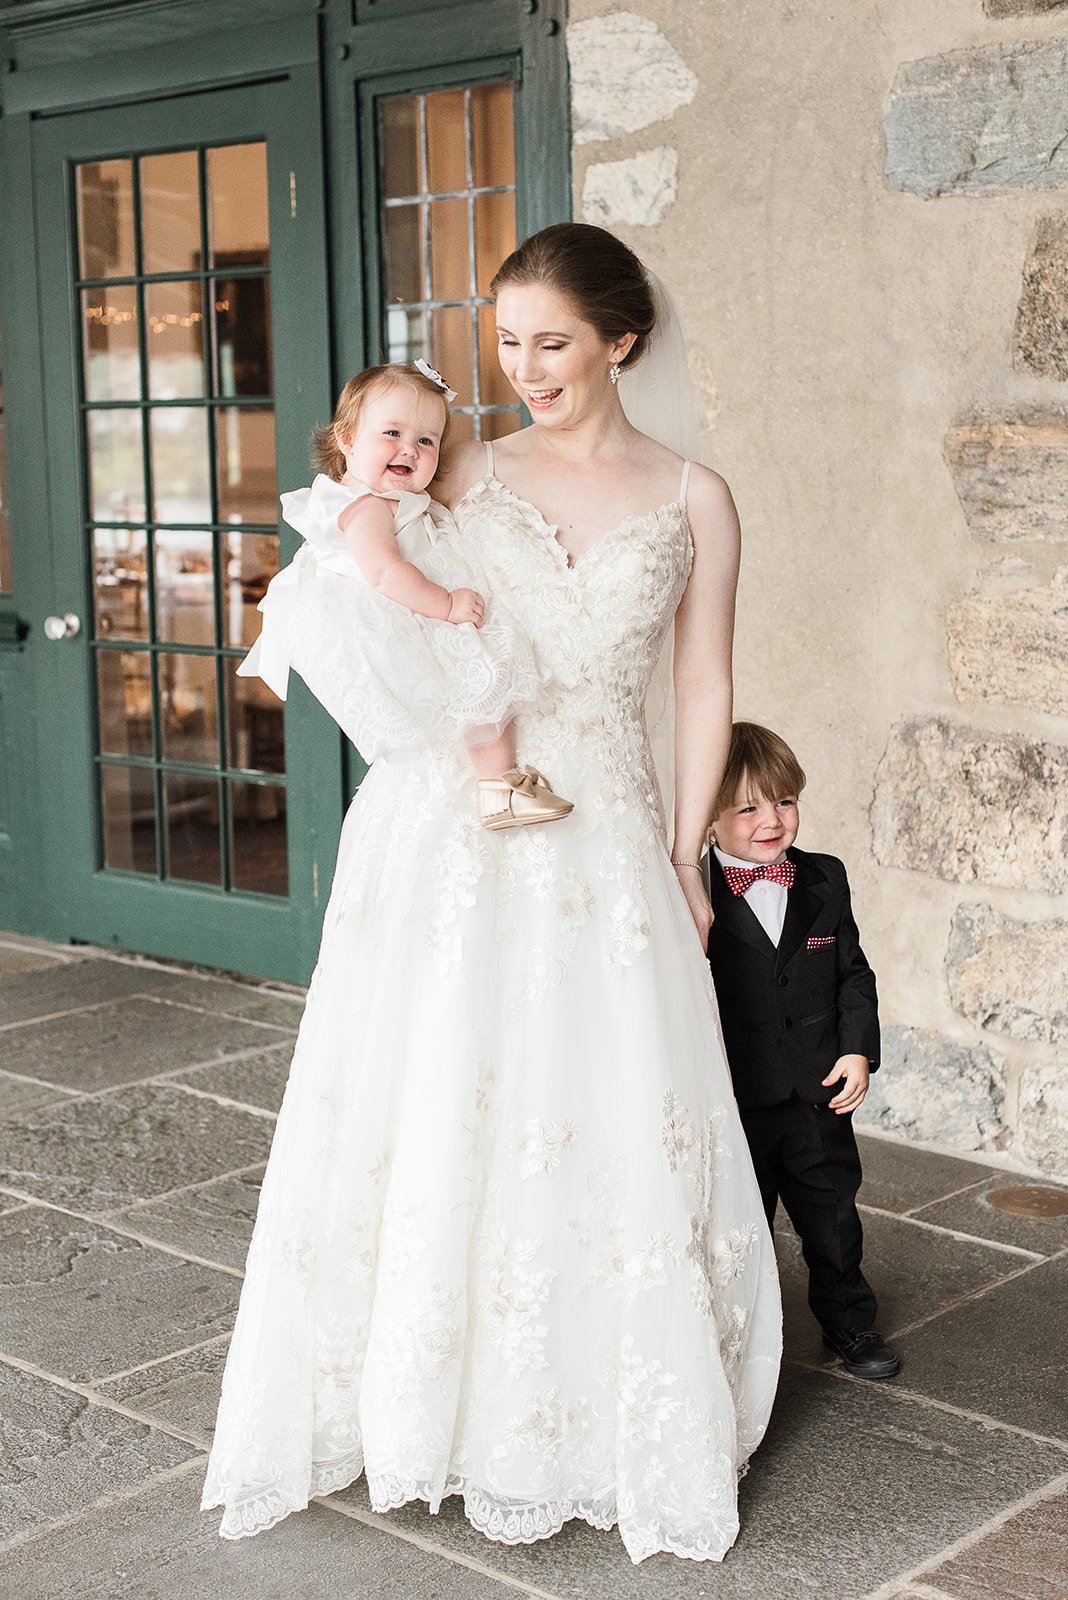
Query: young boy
801	1025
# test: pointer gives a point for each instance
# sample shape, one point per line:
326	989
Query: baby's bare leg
498	755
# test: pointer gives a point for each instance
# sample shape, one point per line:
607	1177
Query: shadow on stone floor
136	1107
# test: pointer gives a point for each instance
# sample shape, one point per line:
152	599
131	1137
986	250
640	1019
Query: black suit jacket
790	1011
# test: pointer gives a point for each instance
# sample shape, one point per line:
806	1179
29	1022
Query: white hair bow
435	377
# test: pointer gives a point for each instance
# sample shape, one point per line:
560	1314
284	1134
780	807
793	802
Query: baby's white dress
396	682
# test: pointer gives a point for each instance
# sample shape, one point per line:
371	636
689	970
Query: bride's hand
693	887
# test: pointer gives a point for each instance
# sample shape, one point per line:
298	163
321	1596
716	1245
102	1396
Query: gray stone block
999	1354
84	1302
636	190
1022	8
1041	344
62	1453
1042	1120
625	75
933	1089
158	1545
132	1039
979	121
1025	1558
1011	474
103	1153
1012	648
972	1213
969	806
898	1177
213	1221
257	1080
182	1392
1009	975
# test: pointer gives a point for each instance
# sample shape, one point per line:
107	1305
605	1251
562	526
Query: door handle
68	626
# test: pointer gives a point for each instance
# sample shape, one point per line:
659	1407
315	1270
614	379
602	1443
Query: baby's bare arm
368	526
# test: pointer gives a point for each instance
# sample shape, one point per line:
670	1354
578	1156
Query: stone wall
863	212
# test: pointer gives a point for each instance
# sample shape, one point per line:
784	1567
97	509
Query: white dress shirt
766	900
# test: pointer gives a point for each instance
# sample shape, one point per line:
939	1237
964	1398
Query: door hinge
292	194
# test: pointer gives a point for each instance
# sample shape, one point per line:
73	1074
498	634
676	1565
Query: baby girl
423	659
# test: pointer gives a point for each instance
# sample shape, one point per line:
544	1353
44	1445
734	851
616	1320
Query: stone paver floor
136	1110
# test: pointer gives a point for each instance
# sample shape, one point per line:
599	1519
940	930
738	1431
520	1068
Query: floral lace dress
510	1245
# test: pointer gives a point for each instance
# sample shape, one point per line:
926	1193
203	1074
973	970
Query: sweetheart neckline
553	528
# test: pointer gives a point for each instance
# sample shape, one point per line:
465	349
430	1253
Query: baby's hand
854	1069
466	605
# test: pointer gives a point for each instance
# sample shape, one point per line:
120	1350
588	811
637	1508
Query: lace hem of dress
501	1521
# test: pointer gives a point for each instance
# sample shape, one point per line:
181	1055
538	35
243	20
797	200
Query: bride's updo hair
598	273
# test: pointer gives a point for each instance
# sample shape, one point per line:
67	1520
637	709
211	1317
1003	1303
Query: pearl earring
613	372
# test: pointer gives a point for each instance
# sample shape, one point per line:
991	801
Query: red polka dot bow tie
739	879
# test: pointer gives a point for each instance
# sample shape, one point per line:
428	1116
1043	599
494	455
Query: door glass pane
191	811
450	254
170	212
237	205
128	804
401	165
244	454
104	198
116	466
120	583
164	583
454	209
185	587
188	709
405	265
251	562
110	349
255	724
181	470
446	141
407	335
124	703
258	834
494	234
243	337
493	135
175	316
452	347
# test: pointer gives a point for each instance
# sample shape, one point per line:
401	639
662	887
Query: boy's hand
854	1069
466	605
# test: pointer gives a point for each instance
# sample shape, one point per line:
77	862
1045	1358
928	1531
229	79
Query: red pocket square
821	938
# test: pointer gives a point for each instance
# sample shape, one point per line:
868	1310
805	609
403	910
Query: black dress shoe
863	1353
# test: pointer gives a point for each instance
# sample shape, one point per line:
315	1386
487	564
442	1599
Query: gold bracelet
675	863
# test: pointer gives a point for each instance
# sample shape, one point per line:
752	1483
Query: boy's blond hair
761	762
327	455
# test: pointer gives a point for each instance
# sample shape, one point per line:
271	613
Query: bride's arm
704	635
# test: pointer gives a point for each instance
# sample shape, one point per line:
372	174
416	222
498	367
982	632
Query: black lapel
734	914
803	905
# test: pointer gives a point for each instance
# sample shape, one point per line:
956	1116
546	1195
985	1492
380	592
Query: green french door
185	345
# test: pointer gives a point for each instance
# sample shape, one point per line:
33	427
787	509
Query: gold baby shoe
518	799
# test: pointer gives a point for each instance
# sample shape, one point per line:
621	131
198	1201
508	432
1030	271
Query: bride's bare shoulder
459	470
709	492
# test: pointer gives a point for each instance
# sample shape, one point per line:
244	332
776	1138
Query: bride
510	1244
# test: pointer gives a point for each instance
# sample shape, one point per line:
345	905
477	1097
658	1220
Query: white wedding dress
510	1244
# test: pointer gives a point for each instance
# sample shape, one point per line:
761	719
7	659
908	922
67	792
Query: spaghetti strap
489	458
686	465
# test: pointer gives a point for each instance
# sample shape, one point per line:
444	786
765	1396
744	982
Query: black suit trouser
806	1156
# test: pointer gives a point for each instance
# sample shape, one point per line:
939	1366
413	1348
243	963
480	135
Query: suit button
783	980
787	1023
